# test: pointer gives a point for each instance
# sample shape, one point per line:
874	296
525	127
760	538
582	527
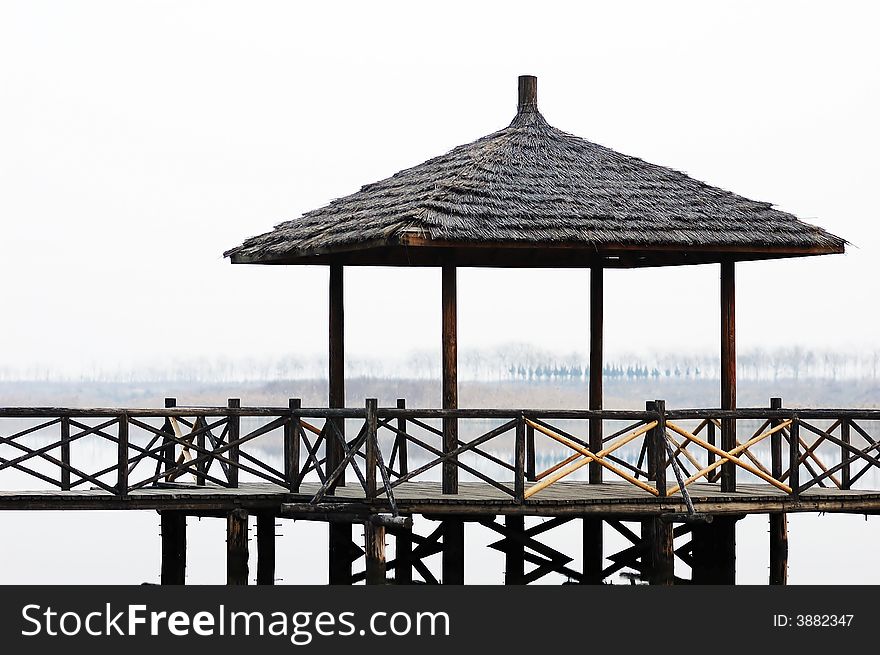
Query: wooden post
778	520
453	551
657	537
336	377
657	441
710	437
173	547
374	549
232	435
265	548
530	453
596	362
340	533
201	445
291	447
794	456
372	460
402	463
122	456
403	546
450	375
65	452
845	474
168	450
519	473
514	569
237	547
593	550
728	369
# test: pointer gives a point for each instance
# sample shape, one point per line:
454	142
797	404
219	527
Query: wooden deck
474	498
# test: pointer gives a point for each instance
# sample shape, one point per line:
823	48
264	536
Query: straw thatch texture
531	183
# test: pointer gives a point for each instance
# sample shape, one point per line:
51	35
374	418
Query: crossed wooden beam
584	456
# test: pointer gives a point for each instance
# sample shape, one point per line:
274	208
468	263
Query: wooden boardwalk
563	498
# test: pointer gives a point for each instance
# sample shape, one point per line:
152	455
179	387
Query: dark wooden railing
520	454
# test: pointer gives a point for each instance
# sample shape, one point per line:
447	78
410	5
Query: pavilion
533	196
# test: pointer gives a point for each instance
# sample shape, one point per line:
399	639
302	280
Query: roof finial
528	93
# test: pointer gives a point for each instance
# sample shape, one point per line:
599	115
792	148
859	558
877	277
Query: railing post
201	446
519	475
530	453
794	455
291	446
372	448
650	457
168	449
403	464
659	434
710	437
65	453
845	474
234	423
776	442
122	455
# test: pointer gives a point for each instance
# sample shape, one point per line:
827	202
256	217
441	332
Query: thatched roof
533	195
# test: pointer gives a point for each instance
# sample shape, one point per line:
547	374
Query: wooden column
173	547
714	551
453	529
237	547
596	318
778	521
340	533
265	548
514	569
728	369
593	526
374	549
593	550
450	374
453	551
233	434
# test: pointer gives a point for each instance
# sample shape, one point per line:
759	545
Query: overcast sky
139	140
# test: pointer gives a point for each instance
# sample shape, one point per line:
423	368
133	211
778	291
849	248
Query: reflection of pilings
173	547
514	570
237	547
713	551
403	547
265	548
340	553
778	549
593	553
453	551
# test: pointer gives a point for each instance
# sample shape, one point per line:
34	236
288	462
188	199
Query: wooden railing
521	455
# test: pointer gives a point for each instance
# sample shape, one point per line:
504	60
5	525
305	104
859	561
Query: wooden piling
453	551
173	527
374	550
265	548
657	539
514	568
237	547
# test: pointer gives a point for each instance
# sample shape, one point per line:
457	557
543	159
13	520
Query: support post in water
265	548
